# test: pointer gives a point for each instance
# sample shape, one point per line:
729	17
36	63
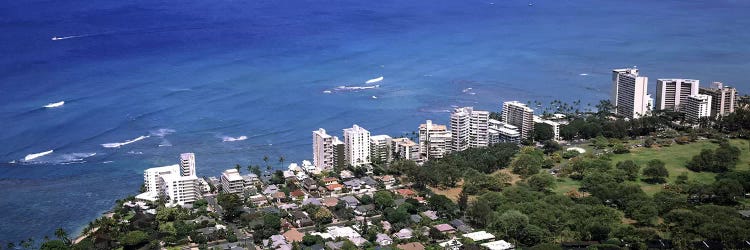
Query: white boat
374	80
54	38
55	104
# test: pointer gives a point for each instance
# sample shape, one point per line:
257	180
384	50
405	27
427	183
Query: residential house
367	181
297	194
293	235
301	219
330	180
346	174
410	246
310	184
406	193
415	218
270	190
258	200
452	244
279	196
383	239
445	228
404	234
498	245
461	226
479	236
364	209
312	201
335	188
387	180
354	185
330	201
250	179
351	201
432	215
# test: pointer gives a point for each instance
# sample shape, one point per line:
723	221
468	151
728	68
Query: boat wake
55	104
374	80
55	38
120	144
31	157
233	139
355	88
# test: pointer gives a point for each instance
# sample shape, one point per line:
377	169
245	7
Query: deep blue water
189	73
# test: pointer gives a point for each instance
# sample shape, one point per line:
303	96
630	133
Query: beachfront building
629	96
555	126
323	150
179	189
405	148
232	182
434	140
500	132
469	128
380	148
697	107
152	176
339	153
187	164
357	146
671	94
518	114
723	98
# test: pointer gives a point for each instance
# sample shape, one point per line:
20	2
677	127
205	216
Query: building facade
339	153
469	128
723	99
500	132
404	148
519	115
380	148
697	107
323	151
357	146
629	93
232	182
187	164
434	140
554	125
671	94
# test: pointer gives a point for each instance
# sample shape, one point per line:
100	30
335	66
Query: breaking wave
231	139
120	144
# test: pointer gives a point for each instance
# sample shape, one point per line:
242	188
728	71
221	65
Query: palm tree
281	161
265	159
237	166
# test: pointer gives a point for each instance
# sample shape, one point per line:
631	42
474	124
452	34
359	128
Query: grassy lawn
675	158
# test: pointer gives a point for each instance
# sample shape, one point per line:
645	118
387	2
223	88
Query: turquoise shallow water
190	75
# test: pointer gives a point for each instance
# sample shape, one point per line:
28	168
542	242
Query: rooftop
479	236
232	175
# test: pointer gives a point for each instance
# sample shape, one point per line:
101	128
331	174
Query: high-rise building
629	94
469	128
323	155
357	146
404	148
697	107
339	153
501	132
671	94
232	182
187	164
380	148
178	183
434	140
723	99
519	115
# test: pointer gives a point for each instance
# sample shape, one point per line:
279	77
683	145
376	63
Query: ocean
233	81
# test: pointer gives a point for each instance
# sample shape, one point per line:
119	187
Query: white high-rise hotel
177	183
519	115
671	94
629	94
434	140
469	128
357	146
697	107
323	151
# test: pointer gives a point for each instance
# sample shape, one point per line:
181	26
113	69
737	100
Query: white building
434	140
323	150
697	107
671	94
406	149
357	146
469	128
501	132
555	126
232	182
380	148
152	176
629	94
723	99
518	114
187	164
180	190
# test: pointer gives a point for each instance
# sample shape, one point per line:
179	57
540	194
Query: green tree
323	216
527	164
383	199
551	146
631	169
655	171
231	205
512	223
134	238
543	132
54	245
543	182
